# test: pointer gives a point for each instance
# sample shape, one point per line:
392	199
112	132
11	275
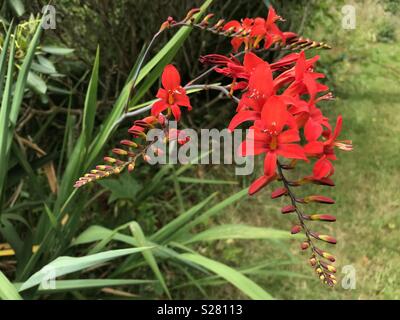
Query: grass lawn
367	194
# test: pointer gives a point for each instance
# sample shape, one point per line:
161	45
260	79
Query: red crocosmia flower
267	29
172	95
325	151
242	29
259	90
233	68
267	136
297	73
305	79
284	62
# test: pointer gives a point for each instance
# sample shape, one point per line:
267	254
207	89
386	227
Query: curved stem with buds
314	260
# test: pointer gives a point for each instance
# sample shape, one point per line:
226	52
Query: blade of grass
239	231
85	284
4	118
7	289
76	163
240	281
138	234
66	265
174	226
22	80
212	211
3	56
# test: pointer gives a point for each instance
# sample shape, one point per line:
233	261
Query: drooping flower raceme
277	101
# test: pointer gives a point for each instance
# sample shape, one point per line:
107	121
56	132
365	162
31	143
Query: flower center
274	142
171	99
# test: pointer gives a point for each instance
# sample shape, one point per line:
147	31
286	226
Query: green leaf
66	265
238	231
44	66
7	289
36	83
91	101
148	255
205	181
57	50
5	132
75	165
17	6
96	233
21	81
124	187
215	210
174	226
52	217
84	284
244	284
3	57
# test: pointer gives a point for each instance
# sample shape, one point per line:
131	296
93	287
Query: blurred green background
362	68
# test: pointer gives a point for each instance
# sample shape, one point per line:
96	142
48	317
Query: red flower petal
287	136
162	94
170	78
251	61
176	111
230	24
270	164
314	148
158	107
260	82
241	117
182	99
292	151
312	130
274	114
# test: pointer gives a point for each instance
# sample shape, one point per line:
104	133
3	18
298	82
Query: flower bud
305	245
295	229
119	151
131	166
323	237
109	160
190	14
129	143
313	261
103	167
288	209
218	26
204	22
278	193
322	217
325	255
318	198
328	267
